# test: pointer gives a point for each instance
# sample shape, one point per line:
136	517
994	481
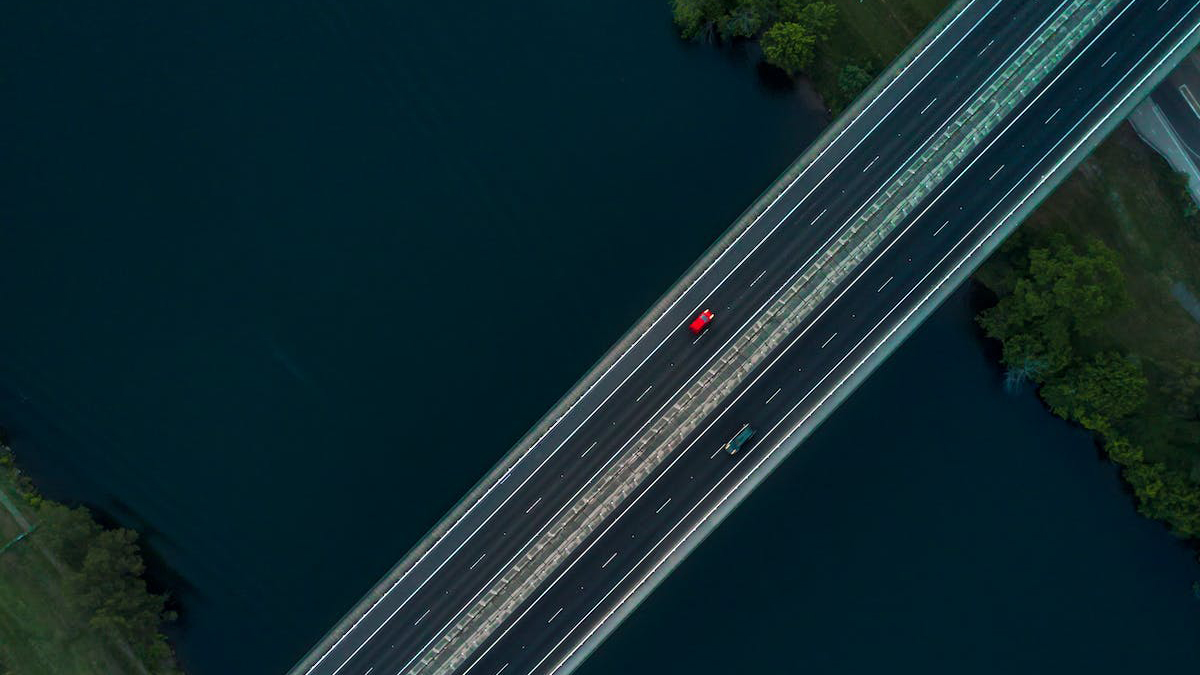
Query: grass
871	34
1126	195
40	634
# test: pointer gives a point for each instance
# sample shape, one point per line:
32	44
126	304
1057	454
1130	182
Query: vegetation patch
72	596
1086	311
840	45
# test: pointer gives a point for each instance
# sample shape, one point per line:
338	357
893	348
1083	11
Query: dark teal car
739	439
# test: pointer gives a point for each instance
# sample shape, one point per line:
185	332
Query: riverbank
1117	353
72	599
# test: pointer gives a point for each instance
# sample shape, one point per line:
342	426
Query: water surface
284	278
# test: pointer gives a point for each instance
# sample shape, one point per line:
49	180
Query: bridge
897	203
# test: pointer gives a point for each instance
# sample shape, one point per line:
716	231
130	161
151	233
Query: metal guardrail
1006	90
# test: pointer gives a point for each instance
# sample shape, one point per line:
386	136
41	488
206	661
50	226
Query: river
283	279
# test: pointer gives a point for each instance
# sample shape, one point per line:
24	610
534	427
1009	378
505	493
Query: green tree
1101	391
744	21
852	80
698	18
818	18
789	46
110	588
1060	293
66	532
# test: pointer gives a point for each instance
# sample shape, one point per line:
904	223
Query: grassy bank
71	595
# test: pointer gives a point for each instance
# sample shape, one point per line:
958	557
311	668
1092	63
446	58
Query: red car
701	322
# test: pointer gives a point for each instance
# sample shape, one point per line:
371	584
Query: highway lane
590	408
737	301
925	125
747	288
538	640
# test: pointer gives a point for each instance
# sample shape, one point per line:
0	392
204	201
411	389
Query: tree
66	532
698	18
852	80
818	18
789	46
745	21
1099	392
110	588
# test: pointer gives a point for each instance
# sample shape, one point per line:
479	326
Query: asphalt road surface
792	384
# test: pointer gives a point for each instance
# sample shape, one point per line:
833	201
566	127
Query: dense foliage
790	31
1050	321
102	571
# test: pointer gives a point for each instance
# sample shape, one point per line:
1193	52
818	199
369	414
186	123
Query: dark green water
283	279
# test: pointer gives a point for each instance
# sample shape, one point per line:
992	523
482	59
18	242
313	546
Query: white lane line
814	220
560	609
666	312
904	320
760	276
928	105
996	172
985	47
369	670
935	233
538	501
504	566
732	245
1028	39
501	669
610	559
477	561
889	280
589	448
1110	58
1052	115
774	395
1164	4
715	453
850	352
664	505
639	398
422	618
871	164
829	340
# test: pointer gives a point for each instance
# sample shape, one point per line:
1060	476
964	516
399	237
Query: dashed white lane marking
814	220
369	670
889	280
872	163
1162	5
535	503
560	609
935	233
760	276
664	505
639	398
1052	116
928	105
834	143
985	47
828	341
589	449
501	669
476	562
715	453
1110	58
774	395
422	617
996	172
610	559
